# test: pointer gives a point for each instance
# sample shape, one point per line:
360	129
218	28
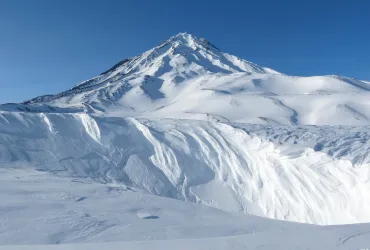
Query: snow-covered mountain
187	77
155	73
185	120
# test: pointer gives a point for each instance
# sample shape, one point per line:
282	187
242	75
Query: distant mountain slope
187	77
180	58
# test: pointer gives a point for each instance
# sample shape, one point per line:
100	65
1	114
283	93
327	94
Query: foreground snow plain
43	211
187	147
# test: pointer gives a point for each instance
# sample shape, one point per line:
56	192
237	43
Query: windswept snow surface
45	212
316	175
100	162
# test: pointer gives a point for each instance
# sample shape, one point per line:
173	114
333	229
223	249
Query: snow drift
231	167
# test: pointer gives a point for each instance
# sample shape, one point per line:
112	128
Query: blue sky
48	46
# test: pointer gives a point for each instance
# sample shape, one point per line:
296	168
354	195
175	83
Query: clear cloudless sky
47	46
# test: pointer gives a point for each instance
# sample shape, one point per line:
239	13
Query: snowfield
45	212
188	147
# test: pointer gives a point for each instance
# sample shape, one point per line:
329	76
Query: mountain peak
184	35
192	41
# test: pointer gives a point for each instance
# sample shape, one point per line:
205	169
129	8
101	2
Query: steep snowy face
154	74
317	175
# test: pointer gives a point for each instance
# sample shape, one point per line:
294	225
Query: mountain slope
187	77
180	58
